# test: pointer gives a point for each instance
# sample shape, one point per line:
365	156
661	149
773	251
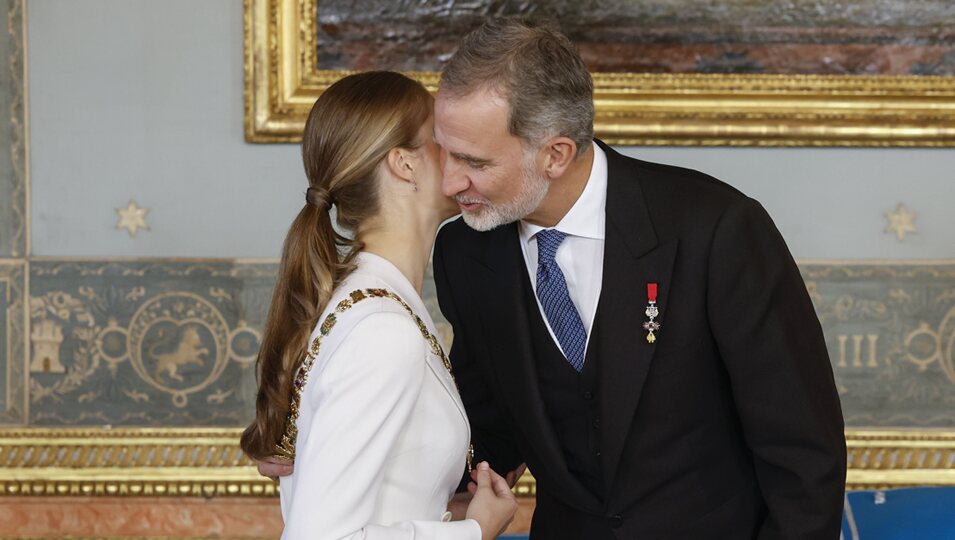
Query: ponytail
350	130
304	285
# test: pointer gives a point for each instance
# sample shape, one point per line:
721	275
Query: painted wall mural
155	343
173	343
890	331
145	343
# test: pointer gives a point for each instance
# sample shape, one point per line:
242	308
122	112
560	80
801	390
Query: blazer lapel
633	257
501	276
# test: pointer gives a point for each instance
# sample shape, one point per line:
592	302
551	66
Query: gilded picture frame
282	81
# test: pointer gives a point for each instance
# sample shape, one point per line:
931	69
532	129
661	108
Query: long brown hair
350	130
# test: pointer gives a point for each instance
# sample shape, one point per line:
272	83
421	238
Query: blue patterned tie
558	307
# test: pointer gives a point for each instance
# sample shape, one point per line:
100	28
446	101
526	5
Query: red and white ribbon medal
652	312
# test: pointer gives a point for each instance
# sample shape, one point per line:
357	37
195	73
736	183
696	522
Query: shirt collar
588	216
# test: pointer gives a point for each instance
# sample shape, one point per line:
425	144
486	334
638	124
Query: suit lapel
501	276
633	257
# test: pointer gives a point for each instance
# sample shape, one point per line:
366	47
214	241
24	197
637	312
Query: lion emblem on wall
188	351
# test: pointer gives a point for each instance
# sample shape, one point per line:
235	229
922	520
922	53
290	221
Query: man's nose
454	180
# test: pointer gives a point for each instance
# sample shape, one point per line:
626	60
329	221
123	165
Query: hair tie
319	197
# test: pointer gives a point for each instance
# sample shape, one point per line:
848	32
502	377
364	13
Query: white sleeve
363	400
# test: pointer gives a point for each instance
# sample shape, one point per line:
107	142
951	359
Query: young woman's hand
275	468
493	505
458	505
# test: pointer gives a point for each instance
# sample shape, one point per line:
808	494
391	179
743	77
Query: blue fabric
925	513
555	299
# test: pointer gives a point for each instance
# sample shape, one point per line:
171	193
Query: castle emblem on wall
47	336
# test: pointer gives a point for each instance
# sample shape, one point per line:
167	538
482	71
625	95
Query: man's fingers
515	475
501	489
472	488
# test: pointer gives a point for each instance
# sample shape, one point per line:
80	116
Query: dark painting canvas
854	37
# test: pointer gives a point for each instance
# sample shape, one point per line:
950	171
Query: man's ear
401	163
559	153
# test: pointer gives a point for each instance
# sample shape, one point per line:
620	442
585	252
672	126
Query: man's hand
458	505
274	468
515	475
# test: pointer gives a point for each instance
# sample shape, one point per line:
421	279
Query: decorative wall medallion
901	222
132	218
178	343
244	343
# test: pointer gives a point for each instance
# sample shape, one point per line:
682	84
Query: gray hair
537	69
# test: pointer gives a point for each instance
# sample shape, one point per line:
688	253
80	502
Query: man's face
486	169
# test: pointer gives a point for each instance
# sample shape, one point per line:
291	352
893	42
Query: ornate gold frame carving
184	462
206	462
900	458
282	82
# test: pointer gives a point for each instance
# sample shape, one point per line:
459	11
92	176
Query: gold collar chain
285	449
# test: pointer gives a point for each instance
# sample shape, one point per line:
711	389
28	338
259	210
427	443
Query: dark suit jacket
728	426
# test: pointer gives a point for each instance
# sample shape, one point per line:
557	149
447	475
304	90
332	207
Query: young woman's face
428	177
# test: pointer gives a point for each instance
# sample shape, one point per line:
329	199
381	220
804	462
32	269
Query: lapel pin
652	312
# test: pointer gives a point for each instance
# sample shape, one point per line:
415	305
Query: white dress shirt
581	254
382	433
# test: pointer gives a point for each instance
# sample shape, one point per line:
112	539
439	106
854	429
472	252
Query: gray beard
533	190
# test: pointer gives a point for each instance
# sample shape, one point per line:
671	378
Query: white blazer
382	433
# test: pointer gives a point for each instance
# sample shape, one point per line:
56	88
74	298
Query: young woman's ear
401	163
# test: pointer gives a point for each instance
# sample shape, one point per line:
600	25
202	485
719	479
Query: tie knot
548	241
